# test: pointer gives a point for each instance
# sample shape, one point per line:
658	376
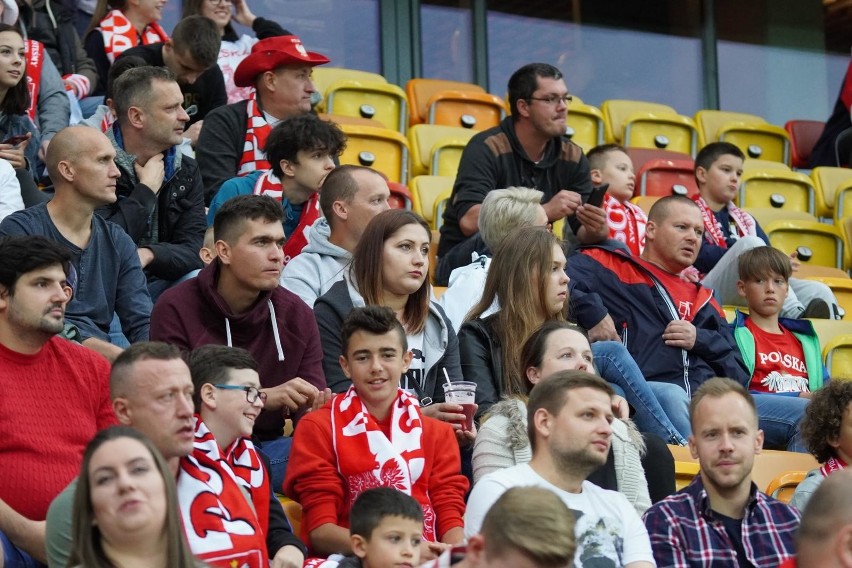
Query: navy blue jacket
641	308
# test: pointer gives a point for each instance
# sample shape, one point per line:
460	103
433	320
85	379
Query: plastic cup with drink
462	393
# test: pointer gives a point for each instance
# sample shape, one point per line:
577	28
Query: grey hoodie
320	264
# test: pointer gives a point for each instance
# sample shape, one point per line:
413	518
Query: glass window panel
446	40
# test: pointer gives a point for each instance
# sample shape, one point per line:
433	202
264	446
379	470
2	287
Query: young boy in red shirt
782	355
374	435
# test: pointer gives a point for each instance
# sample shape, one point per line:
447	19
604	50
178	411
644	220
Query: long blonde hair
517	279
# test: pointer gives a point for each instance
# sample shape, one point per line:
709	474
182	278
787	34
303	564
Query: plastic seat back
322	77
662	130
777	188
379	148
383	102
477	111
425	191
400	196
641	155
827	182
666	177
783	486
837	354
340	120
709	122
616	111
422	138
584	125
765	141
420	90
803	137
823	242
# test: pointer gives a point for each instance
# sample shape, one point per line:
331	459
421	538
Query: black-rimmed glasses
554	99
252	393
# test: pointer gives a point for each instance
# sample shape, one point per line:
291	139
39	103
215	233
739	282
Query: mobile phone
15	140
597	196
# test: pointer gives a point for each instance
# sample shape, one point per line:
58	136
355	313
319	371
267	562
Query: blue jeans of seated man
14	557
278	453
615	365
675	403
780	417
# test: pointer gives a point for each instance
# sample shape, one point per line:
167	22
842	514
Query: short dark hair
17	99
823	418
524	82
141	351
213	363
121	66
199	37
25	254
231	217
340	185
376	320
373	505
660	209
135	87
552	392
760	262
598	155
305	132
715	150
718	387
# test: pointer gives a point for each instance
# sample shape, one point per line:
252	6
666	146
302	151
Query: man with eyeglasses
152	391
528	149
233	139
55	393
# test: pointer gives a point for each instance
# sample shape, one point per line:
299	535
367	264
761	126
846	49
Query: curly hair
824	416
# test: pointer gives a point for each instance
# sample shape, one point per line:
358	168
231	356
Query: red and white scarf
35	61
626	223
221	525
831	465
120	35
713	229
269	184
367	458
257	131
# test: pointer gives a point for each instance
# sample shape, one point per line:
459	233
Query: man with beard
55	393
721	519
569	428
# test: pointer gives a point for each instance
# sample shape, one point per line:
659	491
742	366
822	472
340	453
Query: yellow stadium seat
762	188
379	101
440	206
759	165
293	511
766	215
379	148
668	131
616	112
425	191
843	201
827	180
783	486
420	90
827	330
645	202
813	271
322	77
824	241
584	125
838	356
422	138
842	288
446	157
845	227
765	141
477	111
709	122
340	120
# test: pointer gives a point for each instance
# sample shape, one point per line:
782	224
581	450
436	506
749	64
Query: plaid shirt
685	532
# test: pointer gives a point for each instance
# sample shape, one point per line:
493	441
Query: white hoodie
320	264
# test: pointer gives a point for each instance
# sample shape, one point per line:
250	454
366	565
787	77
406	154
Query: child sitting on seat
610	164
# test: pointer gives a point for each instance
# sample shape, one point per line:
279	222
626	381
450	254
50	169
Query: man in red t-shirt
55	393
782	355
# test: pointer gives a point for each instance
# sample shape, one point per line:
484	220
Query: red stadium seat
666	177
400	196
803	136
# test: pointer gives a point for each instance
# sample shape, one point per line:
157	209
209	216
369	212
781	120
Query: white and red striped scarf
626	223
713	229
221	525
269	184
120	35
366	458
831	465
35	61
257	131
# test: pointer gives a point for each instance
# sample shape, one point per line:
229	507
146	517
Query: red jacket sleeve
105	413
447	485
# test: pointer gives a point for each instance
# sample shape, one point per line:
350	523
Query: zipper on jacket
624	334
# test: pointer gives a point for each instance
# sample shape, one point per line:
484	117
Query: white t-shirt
607	525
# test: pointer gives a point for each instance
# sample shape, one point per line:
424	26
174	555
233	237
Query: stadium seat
383	102
584	125
420	90
446	157
843	202
293	511
379	148
750	133
641	155
322	77
425	191
803	137
616	111
340	120
766	215
649	125
783	486
845	228
777	188
440	206
645	202
837	354
813	271
422	138
827	330
827	180
824	242
756	164
842	288
400	196
710	121
666	177
476	111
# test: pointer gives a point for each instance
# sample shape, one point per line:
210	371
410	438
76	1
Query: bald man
825	535
107	276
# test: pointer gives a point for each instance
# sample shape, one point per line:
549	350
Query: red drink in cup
464	394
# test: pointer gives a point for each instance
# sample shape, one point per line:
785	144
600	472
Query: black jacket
482	361
220	146
178	209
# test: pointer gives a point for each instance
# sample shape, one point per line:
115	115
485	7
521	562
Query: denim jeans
615	365
278	452
14	557
675	403
780	417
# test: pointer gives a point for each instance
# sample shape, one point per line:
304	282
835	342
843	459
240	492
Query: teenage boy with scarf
374	435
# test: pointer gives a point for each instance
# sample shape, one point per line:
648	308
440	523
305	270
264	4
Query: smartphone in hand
597	196
15	140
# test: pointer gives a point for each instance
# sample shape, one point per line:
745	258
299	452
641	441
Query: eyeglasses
553	100
217	2
252	393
